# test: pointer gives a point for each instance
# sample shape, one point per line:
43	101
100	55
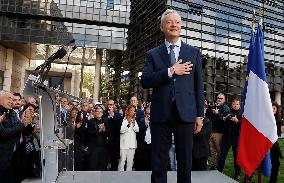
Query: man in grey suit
174	71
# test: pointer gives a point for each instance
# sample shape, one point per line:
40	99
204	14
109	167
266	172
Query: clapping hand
111	113
27	117
2	117
102	127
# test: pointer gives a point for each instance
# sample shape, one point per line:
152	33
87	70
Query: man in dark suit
10	129
174	71
114	121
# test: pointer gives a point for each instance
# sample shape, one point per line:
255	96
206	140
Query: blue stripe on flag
266	165
257	65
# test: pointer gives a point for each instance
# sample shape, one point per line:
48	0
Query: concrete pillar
97	75
278	97
82	72
75	83
8	70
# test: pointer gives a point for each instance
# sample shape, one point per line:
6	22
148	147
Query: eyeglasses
110	104
147	113
220	98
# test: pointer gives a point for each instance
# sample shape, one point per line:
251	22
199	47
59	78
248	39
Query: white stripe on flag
258	107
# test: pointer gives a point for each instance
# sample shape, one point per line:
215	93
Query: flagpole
260	22
253	19
259	173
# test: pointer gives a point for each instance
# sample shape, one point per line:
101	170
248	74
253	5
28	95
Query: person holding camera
10	129
230	137
128	142
219	111
96	141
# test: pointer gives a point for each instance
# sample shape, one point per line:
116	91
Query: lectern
56	147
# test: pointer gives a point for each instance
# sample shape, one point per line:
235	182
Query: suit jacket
188	89
113	132
10	129
140	119
94	137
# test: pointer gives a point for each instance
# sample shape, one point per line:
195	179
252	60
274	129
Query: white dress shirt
176	51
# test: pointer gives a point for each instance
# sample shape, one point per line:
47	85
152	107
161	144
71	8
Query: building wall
13	64
2	58
19	66
16	70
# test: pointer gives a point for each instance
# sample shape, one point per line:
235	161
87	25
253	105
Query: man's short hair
18	95
168	11
236	100
3	92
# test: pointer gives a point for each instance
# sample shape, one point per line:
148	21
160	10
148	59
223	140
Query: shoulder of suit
155	49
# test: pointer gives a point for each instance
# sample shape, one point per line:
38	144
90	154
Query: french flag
258	129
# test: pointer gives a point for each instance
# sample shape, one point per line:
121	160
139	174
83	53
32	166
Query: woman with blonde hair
128	142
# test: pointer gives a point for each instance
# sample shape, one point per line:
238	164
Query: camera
231	115
213	106
3	110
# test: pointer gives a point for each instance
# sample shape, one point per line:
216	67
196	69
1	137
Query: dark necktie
172	54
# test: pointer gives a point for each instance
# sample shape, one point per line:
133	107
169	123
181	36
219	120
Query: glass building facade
222	30
96	23
126	29
37	28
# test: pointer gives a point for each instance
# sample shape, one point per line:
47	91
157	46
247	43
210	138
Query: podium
54	143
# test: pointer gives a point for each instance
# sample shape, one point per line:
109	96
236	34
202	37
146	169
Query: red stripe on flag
252	148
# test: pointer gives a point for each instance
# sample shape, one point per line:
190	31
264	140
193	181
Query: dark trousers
199	164
98	159
225	147
79	157
161	137
114	157
275	162
6	173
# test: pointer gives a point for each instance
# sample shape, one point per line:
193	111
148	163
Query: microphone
62	52
58	55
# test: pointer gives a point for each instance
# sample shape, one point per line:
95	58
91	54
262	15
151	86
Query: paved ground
135	177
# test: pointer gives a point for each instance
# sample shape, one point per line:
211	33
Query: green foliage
88	81
229	167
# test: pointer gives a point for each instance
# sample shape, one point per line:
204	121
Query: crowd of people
114	136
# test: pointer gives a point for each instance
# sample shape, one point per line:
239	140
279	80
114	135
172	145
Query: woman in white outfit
128	142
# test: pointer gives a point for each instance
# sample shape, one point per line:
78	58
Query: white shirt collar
178	43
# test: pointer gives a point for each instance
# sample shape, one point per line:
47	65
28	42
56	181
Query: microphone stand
63	77
45	67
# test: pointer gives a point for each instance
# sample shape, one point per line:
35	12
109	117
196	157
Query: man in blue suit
174	71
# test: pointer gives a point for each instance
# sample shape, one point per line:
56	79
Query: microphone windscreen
60	53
